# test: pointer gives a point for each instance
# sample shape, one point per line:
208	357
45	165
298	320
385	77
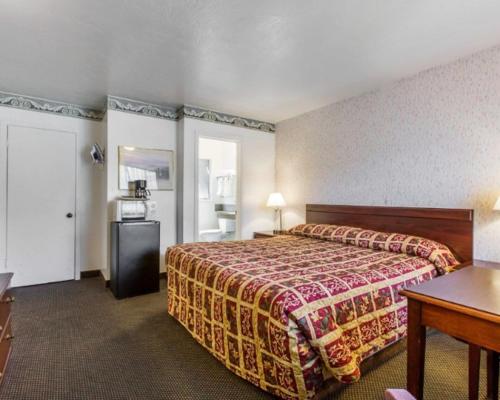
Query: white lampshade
276	200
497	205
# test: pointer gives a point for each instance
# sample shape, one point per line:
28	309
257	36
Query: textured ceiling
263	59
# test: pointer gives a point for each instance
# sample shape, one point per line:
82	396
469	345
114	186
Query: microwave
135	210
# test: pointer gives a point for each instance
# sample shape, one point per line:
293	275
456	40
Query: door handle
69	215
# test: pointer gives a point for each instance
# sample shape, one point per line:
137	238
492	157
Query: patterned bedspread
287	313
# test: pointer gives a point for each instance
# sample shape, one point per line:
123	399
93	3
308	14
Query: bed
300	314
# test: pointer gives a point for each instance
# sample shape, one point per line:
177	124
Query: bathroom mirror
204	179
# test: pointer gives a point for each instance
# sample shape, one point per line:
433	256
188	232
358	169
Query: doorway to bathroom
217	190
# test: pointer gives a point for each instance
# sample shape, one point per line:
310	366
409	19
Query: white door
40	205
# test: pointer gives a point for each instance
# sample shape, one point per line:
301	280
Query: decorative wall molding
166	112
130	106
213	116
49	106
139	107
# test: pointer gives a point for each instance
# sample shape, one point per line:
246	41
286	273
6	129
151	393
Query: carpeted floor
73	340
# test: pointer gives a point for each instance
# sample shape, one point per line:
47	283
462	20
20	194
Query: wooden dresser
5	322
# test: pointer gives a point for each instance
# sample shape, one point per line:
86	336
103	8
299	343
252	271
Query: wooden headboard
452	227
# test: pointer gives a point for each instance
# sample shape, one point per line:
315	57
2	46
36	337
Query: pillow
437	253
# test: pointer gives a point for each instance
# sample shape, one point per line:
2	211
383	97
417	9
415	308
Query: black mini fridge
135	258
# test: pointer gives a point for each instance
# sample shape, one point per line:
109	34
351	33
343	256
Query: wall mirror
153	165
204	179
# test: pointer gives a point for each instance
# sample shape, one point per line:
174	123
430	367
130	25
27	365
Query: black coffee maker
141	191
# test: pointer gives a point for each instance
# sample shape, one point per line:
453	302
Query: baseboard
163	275
91	273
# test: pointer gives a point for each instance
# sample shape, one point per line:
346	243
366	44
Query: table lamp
277	201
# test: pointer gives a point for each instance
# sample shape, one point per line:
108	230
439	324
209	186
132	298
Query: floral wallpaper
431	140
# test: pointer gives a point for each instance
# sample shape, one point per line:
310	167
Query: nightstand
267	234
486	264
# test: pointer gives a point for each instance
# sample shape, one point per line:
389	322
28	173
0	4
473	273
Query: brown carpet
73	340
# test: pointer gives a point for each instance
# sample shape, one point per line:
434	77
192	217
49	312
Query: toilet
210	235
227	224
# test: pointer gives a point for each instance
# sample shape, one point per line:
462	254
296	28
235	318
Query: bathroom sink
226	214
226	211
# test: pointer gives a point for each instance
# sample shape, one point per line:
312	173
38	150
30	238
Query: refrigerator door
135	258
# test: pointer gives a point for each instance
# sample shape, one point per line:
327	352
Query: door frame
4	143
230	139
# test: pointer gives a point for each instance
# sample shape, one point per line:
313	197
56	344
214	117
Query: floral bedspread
289	312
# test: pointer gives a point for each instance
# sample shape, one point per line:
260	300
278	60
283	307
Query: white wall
256	174
125	129
89	180
222	156
97	186
432	140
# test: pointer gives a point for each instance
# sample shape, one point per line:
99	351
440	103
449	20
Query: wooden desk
464	304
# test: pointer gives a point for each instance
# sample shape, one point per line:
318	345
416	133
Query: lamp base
278	230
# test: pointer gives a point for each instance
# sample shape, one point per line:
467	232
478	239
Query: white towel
226	186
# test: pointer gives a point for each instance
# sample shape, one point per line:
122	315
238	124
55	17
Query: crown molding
171	113
140	107
214	116
130	106
49	106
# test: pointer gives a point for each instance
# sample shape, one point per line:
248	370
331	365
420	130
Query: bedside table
267	234
464	304
486	264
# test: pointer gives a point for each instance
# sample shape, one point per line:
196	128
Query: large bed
298	314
